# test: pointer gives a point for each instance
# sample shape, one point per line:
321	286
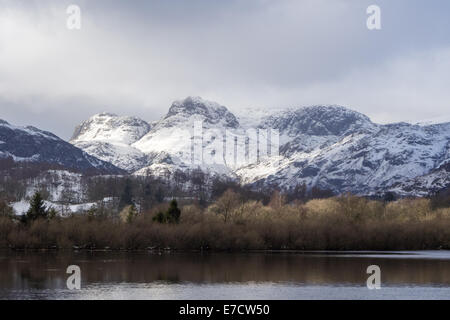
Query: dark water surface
318	275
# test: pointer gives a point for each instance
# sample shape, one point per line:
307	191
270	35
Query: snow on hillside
435	120
65	191
331	147
109	137
20	208
112	128
29	144
253	117
119	154
432	182
28	130
60	185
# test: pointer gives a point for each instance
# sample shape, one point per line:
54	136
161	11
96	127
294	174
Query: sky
137	57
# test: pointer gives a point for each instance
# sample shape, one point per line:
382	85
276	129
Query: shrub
340	223
128	214
172	215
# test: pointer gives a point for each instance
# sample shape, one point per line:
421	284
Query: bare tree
229	201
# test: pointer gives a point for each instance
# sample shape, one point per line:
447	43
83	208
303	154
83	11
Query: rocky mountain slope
330	147
29	144
190	135
368	159
109	137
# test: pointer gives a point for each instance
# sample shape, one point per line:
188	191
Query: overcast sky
136	57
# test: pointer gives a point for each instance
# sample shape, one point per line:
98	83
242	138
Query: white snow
359	156
58	183
20	208
112	128
109	138
434	120
29	130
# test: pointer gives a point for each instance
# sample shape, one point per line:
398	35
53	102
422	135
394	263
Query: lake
259	275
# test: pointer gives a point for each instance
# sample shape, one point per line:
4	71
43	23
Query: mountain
436	180
330	147
29	144
171	144
368	160
109	137
319	121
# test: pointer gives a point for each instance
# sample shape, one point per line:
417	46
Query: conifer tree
37	208
173	213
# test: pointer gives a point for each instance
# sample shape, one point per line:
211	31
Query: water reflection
40	272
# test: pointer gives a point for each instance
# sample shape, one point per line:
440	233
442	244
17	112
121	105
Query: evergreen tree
52	213
160	217
389	197
173	213
37	208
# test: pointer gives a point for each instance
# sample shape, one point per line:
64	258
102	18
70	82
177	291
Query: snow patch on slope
330	147
109	137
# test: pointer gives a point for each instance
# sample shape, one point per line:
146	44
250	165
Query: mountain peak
3	122
319	120
328	146
111	127
30	144
105	114
211	111
193	105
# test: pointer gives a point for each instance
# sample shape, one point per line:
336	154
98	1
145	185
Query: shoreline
243	251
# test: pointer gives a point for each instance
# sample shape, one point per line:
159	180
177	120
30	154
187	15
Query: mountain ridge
329	146
30	144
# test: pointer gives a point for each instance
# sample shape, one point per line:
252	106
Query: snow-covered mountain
190	124
109	137
330	147
29	144
432	182
368	160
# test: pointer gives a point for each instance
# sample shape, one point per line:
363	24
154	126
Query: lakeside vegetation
233	222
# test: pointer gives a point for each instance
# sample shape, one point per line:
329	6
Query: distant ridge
325	146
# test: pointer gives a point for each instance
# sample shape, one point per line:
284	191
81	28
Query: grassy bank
340	223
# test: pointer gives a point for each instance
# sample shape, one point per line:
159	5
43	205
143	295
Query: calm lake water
318	275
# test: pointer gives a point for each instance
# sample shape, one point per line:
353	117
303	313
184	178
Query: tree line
233	222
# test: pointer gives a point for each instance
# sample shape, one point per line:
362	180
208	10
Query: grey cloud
137	57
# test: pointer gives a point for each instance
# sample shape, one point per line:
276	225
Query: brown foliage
340	223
